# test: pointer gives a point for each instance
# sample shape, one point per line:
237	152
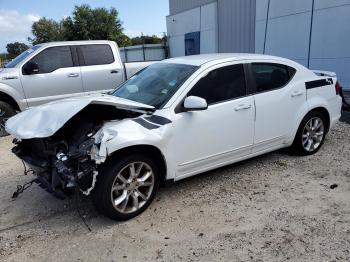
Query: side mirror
31	68
195	103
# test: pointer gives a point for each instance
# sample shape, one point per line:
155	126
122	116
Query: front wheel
126	188
6	111
311	134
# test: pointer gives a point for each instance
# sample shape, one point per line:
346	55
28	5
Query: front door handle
243	107
297	93
114	71
73	75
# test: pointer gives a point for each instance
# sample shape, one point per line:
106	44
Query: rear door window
96	55
221	85
271	76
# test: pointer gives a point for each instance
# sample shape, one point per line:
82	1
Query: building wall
288	33
224	25
277	27
330	41
288	28
236	20
209	29
201	19
178	6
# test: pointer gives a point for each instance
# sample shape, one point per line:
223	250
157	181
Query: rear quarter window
271	76
96	55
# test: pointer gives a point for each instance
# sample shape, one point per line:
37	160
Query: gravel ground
275	207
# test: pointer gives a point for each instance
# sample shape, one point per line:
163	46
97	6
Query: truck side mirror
30	68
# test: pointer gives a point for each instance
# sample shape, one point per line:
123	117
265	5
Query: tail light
337	88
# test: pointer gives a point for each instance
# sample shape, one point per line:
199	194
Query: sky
17	16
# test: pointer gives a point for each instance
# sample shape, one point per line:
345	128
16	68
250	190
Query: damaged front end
60	168
68	160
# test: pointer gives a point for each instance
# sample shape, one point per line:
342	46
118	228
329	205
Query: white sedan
175	119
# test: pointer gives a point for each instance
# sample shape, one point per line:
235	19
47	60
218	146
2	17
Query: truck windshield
156	84
21	57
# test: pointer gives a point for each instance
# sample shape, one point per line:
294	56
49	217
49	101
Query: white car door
220	134
277	102
58	77
99	68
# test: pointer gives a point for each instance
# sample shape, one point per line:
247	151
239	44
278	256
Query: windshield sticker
172	83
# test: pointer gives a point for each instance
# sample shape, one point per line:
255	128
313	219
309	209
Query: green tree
3	58
85	23
94	24
146	40
14	49
46	30
124	40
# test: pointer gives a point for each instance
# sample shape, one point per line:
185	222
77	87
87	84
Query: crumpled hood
45	120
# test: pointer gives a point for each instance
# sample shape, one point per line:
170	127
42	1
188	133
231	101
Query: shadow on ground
345	117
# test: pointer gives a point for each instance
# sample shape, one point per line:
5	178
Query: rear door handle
297	93
73	75
114	71
243	107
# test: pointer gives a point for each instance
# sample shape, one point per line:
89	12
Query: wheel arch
323	110
325	113
149	150
10	100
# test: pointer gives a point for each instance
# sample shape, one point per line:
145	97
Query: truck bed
133	68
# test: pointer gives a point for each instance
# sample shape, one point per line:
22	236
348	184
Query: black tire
346	105
106	178
6	111
297	147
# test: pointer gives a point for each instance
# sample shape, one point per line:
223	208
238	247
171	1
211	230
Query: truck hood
4	70
45	120
8	74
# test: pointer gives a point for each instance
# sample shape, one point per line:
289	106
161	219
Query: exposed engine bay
64	162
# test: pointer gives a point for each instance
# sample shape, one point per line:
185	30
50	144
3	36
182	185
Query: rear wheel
311	134
6	111
127	187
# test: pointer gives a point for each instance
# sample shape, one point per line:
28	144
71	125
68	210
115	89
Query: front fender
116	135
16	95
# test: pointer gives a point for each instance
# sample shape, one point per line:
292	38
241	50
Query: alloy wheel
132	187
313	134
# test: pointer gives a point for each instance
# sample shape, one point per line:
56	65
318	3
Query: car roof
198	60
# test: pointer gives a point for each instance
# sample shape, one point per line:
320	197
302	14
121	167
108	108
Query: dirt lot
271	208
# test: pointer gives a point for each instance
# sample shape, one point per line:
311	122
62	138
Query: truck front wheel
6	111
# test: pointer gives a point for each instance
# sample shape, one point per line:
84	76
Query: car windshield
156	84
21	57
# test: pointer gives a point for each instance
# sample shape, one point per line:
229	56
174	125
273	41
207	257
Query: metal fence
140	53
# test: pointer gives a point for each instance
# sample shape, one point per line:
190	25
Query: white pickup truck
57	70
